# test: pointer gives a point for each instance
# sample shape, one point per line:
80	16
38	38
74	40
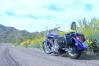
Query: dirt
16	56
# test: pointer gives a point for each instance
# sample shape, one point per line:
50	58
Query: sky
34	15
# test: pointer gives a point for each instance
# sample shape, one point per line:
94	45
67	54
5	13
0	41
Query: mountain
10	34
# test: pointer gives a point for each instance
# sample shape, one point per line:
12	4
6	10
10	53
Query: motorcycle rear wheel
74	54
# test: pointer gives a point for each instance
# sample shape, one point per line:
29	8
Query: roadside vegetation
37	41
91	31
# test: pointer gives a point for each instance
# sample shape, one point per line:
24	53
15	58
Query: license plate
85	44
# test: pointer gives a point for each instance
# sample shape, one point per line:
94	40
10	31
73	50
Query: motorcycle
72	43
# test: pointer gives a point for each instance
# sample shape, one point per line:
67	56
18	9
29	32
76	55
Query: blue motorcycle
72	43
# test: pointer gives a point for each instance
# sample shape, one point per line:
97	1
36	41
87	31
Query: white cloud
68	11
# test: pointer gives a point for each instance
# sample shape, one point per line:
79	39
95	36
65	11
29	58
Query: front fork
52	44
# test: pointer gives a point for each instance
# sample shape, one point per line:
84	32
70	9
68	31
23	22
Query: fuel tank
52	36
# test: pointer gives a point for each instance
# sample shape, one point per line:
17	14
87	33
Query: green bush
91	31
36	45
95	41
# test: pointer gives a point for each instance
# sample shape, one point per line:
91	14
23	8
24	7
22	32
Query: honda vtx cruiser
72	43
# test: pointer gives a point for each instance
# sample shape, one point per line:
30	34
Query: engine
61	42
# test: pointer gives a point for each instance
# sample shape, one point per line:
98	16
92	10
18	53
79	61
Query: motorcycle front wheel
74	54
46	48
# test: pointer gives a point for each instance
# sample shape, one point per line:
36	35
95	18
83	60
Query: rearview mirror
73	26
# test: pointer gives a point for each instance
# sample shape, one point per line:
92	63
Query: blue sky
34	15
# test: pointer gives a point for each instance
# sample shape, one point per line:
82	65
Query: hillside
10	34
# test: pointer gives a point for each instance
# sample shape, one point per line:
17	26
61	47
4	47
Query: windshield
52	31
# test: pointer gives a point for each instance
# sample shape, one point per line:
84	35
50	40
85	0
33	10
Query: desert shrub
91	31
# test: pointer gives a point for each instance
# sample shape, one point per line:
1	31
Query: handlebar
57	27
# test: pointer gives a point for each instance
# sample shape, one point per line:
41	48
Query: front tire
74	54
46	48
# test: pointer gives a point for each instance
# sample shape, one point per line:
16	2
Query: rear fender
79	45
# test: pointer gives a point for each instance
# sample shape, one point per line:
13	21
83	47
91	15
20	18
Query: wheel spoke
74	53
47	48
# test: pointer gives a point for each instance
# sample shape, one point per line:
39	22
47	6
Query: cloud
10	13
53	7
88	7
34	15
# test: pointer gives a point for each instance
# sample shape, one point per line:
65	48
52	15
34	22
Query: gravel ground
15	56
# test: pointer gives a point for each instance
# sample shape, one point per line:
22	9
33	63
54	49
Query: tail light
79	38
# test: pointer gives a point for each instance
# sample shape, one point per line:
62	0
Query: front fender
46	41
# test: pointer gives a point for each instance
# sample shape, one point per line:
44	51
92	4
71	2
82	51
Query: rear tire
74	54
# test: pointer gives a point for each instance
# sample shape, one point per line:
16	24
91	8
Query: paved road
15	56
